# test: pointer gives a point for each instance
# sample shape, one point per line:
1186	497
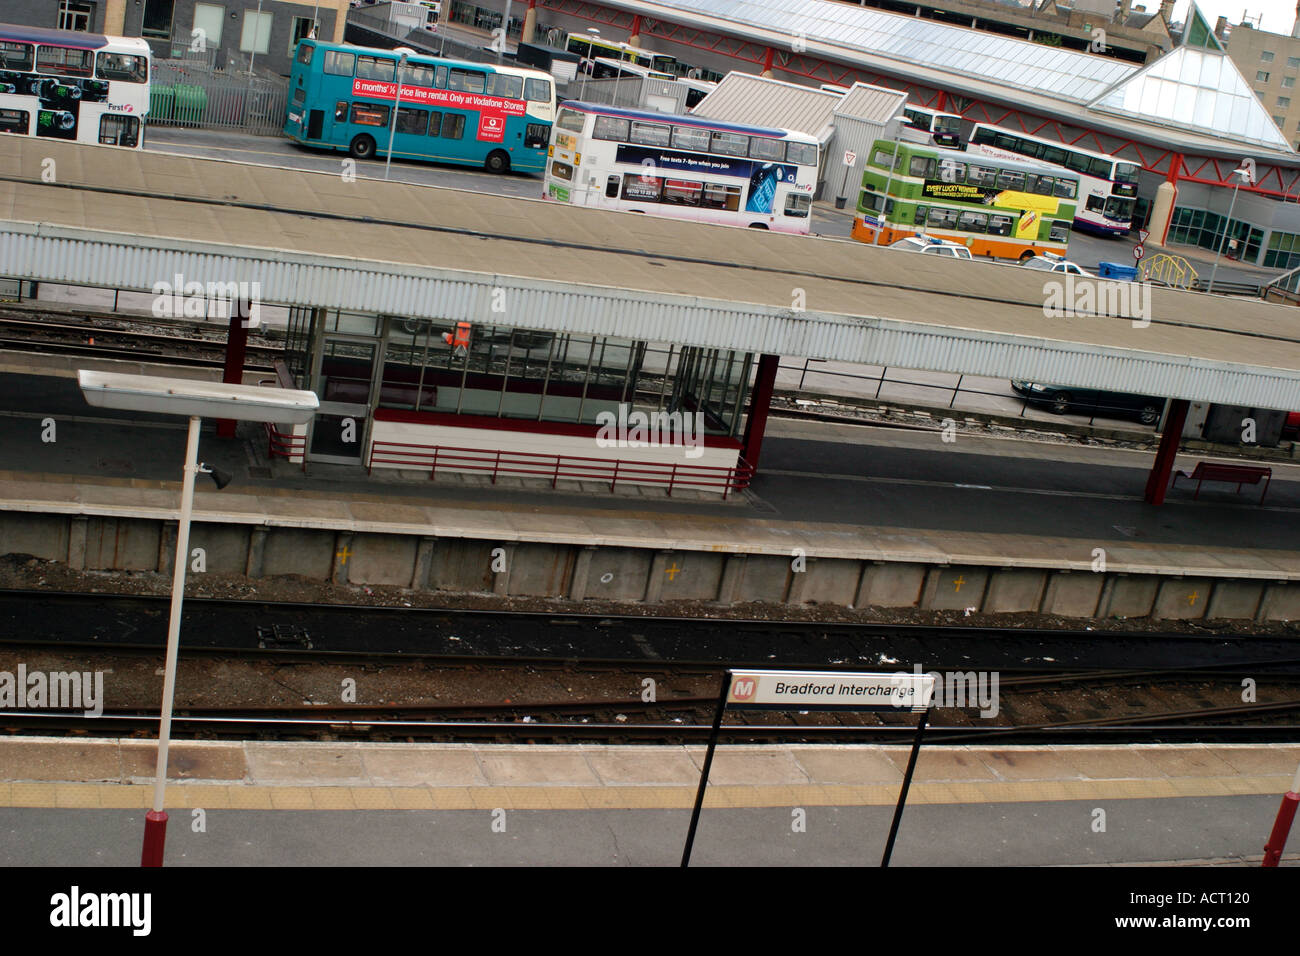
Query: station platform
878	516
327	803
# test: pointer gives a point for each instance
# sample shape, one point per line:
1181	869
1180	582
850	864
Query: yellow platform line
183	796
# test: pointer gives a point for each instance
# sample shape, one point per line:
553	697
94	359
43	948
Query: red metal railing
555	467
285	444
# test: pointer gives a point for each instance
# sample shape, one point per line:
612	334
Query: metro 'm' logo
743	688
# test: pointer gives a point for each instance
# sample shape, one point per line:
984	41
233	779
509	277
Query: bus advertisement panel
80	87
342	97
995	207
682	167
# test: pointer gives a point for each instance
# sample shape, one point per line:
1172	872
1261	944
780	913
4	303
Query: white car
932	247
1053	263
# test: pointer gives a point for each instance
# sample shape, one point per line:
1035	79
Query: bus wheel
363	147
497	162
758	225
1027	254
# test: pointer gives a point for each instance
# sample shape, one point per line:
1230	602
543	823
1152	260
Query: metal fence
189	92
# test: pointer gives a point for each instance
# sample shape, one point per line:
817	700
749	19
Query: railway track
512	700
179	343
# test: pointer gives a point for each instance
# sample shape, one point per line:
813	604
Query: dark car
1065	398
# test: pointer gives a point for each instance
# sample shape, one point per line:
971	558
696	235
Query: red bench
1233	474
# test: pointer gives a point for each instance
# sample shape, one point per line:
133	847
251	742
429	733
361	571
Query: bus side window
536	136
435	123
999	225
440	77
919	218
341	111
453	125
611	186
721	197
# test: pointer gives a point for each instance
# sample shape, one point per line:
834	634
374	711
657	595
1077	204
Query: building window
1261	76
1284	102
302	27
1266	57
1288	82
157	19
76	15
256	35
1279	121
208	21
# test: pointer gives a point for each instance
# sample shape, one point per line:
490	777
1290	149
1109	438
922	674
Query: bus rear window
62	61
15	56
338	63
122	66
305	51
571	120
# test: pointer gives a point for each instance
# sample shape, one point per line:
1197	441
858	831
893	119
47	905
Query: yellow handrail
1171	270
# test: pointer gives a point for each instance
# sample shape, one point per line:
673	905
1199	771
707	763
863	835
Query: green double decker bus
1001	208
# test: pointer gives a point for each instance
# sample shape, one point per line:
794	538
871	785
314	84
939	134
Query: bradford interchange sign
829	690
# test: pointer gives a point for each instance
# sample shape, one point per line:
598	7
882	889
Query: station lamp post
403	52
595	35
194	400
1244	175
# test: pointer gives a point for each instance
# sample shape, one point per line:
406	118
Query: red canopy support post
236	345
1162	468
760	403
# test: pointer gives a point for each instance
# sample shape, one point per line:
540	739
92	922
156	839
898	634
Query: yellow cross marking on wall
344	555
672	572
958	582
1191	598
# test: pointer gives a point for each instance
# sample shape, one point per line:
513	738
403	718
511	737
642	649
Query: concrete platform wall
580	571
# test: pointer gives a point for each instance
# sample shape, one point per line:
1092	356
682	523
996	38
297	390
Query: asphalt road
1085	249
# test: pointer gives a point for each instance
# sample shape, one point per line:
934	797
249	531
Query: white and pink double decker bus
681	167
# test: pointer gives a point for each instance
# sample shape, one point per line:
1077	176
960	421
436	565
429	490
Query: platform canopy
118	219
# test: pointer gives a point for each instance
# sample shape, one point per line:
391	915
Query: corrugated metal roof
759	101
875	104
445	254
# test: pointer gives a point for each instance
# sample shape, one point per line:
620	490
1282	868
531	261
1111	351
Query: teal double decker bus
473	114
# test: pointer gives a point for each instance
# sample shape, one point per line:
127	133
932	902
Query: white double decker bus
1107	185
681	167
79	87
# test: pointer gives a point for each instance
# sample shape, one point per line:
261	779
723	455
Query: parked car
932	247
1050	262
1062	399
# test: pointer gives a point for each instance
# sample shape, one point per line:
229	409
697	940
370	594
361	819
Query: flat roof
126	219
